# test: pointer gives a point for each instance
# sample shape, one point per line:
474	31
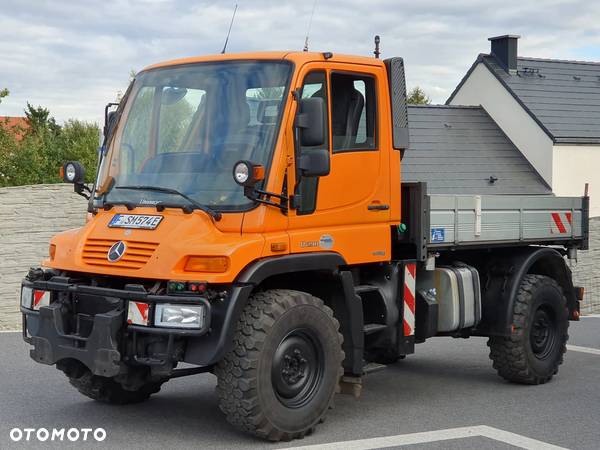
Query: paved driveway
446	396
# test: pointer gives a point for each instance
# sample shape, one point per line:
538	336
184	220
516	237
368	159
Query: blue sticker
438	235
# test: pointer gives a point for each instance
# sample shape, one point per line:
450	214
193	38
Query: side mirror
310	120
314	163
109	118
73	172
110	122
247	174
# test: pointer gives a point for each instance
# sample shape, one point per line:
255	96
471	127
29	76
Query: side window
264	104
353	112
315	85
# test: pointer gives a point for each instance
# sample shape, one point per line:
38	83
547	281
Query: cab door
347	211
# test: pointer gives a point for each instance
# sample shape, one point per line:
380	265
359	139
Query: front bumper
88	324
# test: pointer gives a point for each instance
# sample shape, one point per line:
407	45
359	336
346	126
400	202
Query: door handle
378	207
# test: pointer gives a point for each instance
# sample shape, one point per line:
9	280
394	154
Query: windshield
183	128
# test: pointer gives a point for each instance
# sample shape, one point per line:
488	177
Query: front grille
95	252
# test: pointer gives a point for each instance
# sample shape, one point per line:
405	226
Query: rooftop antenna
312	13
377	52
229	31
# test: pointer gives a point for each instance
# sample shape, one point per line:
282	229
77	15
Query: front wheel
107	390
532	354
279	379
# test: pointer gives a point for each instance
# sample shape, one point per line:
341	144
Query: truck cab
183	125
249	218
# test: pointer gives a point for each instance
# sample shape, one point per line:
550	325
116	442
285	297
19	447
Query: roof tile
456	149
563	96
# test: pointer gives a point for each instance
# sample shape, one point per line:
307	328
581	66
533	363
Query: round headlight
241	172
70	173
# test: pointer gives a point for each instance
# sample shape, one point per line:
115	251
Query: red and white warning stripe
561	222
40	298
410	275
137	313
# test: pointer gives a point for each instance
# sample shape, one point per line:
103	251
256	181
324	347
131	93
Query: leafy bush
44	147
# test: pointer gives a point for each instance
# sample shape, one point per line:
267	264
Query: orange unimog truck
249	219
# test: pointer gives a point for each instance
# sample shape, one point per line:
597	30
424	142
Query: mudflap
98	351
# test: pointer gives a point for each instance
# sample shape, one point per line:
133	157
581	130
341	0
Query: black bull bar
100	349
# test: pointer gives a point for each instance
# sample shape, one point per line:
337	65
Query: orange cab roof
295	56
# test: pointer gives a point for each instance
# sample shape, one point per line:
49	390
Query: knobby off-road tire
532	354
107	390
280	377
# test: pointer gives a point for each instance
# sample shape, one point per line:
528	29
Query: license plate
135	221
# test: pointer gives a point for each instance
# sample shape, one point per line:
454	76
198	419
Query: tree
3	93
79	141
120	94
44	147
417	96
40	120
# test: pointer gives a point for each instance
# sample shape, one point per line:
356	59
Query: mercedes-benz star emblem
117	251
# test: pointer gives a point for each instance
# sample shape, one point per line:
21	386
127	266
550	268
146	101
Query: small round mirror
172	95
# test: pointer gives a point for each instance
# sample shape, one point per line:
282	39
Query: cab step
363	288
370	328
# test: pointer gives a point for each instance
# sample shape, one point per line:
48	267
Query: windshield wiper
211	212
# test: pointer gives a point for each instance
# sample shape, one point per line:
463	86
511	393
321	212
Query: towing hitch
97	351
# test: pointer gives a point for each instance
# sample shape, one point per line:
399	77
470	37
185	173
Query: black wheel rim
297	370
543	334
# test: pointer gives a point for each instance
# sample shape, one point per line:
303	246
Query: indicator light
197	286
176	286
278	246
214	264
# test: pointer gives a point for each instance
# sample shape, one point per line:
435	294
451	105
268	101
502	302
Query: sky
73	57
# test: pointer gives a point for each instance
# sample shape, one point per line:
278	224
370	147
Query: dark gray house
549	109
461	150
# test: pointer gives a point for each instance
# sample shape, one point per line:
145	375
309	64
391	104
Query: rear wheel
280	377
532	354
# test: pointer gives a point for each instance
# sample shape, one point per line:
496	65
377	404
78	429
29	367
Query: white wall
575	165
483	88
29	217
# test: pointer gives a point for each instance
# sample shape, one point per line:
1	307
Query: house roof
15	124
456	149
563	97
